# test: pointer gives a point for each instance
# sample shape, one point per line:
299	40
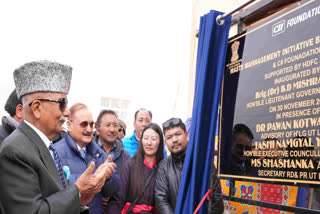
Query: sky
133	50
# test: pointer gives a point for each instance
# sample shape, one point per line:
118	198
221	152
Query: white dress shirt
43	137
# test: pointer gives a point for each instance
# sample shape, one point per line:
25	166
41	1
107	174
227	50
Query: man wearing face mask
170	169
77	150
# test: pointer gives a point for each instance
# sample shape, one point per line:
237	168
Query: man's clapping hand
90	184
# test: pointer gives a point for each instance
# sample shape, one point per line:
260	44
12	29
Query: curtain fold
212	48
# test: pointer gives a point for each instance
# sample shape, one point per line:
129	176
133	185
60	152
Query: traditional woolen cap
42	76
12	103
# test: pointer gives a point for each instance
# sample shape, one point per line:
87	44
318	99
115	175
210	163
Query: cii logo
278	28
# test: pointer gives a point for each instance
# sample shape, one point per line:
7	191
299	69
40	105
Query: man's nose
113	128
66	112
174	138
89	128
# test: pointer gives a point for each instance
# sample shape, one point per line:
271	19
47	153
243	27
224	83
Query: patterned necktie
58	165
83	154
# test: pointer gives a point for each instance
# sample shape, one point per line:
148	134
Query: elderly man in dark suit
31	178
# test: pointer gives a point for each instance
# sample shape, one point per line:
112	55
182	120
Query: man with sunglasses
78	149
122	129
31	178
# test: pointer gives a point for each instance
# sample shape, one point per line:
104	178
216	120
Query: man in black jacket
170	170
15	109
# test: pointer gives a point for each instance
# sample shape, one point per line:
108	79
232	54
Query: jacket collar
148	165
118	146
178	158
133	137
92	148
9	124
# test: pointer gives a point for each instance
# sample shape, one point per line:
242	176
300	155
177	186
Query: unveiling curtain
212	48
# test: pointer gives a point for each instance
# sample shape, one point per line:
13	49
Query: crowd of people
91	167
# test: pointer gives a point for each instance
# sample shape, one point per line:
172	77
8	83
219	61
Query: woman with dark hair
138	174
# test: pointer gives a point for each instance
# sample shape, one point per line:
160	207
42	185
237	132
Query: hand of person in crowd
107	164
90	184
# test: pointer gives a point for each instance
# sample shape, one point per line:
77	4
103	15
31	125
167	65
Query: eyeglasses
63	102
122	129
84	124
171	122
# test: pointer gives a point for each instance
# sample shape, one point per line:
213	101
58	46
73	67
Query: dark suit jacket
29	181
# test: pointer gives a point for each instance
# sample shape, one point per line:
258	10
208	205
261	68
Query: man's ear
36	109
19	112
97	129
69	125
